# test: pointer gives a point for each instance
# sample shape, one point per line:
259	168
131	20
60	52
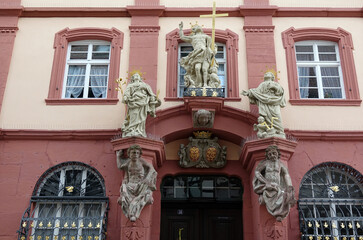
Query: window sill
82	101
326	102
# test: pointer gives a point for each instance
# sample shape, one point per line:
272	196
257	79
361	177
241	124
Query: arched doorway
198	207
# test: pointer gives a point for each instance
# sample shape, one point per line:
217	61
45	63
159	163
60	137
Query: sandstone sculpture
269	97
138	184
272	183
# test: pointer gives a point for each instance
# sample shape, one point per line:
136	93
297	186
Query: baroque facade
62	114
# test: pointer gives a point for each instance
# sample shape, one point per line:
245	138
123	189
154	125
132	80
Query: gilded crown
202	134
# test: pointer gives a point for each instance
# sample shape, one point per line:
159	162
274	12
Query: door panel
201	221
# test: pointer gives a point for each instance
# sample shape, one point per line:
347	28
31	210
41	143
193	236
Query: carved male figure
138	184
141	102
269	97
272	183
198	61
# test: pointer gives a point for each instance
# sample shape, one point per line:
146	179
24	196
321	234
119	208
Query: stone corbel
254	151
152	150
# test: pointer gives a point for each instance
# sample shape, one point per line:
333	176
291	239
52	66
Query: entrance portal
201	207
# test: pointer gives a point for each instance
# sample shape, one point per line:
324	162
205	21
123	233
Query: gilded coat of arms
202	151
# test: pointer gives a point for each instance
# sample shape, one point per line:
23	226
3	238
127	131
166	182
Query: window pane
101	48
69	215
76	70
219	55
79	48
93	185
78	55
309	93
305	57
208	188
99	70
304	49
332	93
307	82
100	55
186	48
331	82
194	187
327	57
330	49
306	71
330	71
75	81
222	188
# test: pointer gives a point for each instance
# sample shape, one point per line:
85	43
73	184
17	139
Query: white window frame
219	60
318	64
88	63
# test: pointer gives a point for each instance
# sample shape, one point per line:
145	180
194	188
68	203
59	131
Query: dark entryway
201	207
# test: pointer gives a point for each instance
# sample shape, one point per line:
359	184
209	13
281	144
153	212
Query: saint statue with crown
141	102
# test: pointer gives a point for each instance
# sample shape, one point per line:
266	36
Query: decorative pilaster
252	153
153	151
144	33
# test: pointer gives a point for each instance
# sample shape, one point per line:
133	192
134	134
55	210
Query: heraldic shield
202	151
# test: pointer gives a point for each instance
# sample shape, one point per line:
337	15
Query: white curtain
75	81
331	82
304	73
98	80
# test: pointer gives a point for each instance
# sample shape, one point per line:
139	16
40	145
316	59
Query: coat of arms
202	151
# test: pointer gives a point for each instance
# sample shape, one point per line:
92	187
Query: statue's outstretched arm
119	160
181	34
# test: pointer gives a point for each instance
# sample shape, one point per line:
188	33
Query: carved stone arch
176	122
228	37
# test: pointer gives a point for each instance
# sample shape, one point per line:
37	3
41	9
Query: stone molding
258	29
7	30
144	29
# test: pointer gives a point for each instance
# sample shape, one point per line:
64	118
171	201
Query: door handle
180	235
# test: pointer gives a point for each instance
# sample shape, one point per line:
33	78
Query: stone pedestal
265	226
152	151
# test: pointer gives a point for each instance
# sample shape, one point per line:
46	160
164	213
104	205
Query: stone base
204	92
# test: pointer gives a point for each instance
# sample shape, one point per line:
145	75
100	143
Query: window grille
220	57
318	69
210	188
87	69
331	203
68	203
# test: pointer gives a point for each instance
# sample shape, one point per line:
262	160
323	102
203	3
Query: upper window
320	67
68	203
86	65
227	43
193	187
87	70
220	57
331	203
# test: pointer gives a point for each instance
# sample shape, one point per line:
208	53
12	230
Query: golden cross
213	16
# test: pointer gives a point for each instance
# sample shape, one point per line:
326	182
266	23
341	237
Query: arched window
68	203
331	203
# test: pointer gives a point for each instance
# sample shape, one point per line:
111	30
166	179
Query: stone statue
269	97
141	101
198	62
203	118
138	184
272	183
263	130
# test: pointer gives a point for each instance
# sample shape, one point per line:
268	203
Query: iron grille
331	203
68	203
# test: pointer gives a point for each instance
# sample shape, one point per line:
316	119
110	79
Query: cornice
11	10
144	29
7	30
145	10
258	29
